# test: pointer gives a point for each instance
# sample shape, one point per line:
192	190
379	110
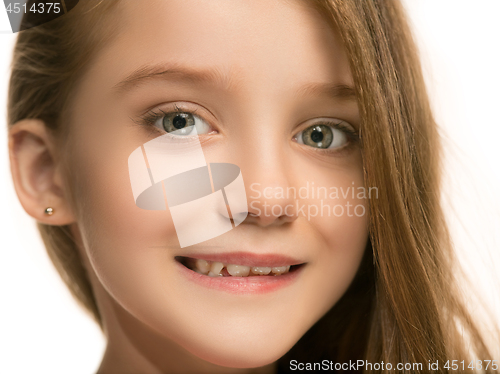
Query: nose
270	189
270	205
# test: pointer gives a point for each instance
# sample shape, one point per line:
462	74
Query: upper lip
247	258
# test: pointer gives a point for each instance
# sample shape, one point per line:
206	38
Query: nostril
238	217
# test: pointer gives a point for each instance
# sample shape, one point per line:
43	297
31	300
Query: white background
42	330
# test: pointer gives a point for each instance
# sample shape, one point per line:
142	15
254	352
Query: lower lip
256	285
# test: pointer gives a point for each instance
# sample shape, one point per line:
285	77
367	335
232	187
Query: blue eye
323	136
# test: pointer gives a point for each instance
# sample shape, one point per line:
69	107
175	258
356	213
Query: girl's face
267	84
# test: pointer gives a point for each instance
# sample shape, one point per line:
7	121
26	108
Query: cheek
125	244
337	214
346	239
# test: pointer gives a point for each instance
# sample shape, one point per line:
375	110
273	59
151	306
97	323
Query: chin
243	352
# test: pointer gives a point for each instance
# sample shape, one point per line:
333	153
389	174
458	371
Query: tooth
278	270
215	269
261	270
238	270
203	266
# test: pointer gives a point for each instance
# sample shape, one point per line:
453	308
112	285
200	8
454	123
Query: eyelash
352	136
149	119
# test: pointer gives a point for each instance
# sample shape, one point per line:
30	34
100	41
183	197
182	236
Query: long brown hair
404	305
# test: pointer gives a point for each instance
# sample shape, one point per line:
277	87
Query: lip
252	285
246	258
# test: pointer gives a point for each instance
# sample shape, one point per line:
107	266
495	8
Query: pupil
179	122
316	136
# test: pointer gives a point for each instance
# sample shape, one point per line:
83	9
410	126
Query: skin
155	320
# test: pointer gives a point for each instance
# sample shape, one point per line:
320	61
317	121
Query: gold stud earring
49	211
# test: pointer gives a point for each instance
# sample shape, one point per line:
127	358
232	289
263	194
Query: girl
341	253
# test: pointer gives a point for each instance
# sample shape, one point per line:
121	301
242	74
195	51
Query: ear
36	173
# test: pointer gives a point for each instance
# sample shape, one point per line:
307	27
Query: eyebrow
342	92
221	78
175	72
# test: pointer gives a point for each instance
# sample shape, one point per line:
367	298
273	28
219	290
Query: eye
182	123
324	136
180	120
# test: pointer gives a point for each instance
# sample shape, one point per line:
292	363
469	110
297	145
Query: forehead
259	42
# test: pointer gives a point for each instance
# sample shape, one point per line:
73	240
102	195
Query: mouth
230	269
240	273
